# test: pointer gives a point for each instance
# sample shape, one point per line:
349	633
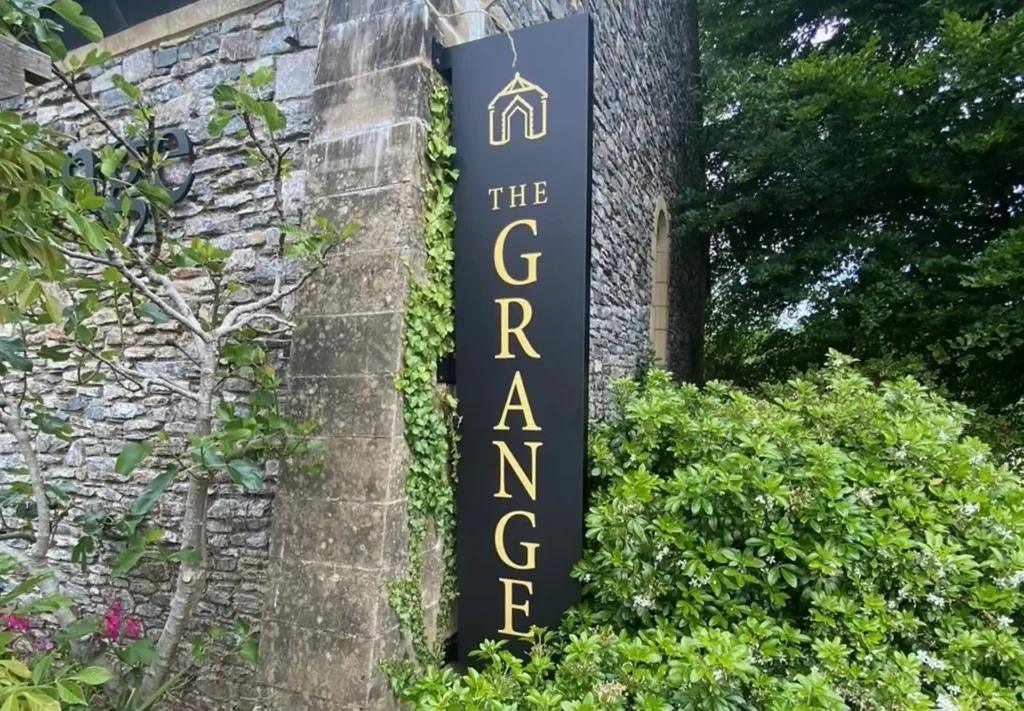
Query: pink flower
112	620
133	628
16	624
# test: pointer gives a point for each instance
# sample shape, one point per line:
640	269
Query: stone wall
638	96
229	206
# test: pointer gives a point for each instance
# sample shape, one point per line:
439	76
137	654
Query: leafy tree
866	191
77	272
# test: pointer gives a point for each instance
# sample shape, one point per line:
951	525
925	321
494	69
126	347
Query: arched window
659	296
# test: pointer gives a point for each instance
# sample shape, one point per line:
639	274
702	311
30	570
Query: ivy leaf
246	473
131	457
250	651
71	12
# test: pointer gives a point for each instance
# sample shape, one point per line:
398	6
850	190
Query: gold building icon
519	98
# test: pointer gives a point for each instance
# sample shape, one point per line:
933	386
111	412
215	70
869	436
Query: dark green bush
838	545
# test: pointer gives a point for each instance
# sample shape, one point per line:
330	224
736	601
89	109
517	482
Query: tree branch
70	84
184	317
18	536
142	379
229	324
35	561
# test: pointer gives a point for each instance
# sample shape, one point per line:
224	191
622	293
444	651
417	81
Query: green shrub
837	545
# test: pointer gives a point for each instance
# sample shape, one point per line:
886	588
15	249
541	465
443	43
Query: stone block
295	73
374	42
271	17
138	66
357	282
348	345
326	665
355	469
353	406
348	10
165	58
329	531
320	597
302	10
238	46
388	218
176	111
375	158
369	100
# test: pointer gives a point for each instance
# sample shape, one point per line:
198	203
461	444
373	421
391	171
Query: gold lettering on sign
530	259
540	193
511	607
529	482
499	542
517	331
515	316
517	195
495	193
518	390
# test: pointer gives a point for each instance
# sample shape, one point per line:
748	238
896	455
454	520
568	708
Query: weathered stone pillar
338	540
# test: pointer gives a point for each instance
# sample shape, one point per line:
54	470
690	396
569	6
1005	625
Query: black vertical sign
522	265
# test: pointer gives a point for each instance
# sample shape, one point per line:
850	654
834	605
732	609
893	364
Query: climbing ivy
429	408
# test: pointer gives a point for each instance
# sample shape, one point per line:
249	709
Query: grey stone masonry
229	206
337	541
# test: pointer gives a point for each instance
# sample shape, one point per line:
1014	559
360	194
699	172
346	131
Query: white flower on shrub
719	674
936	600
642	602
1004	622
929	661
946	703
902	451
866	497
1011	581
969	510
609	691
660	555
977	459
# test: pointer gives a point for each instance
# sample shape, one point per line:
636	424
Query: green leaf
186	555
131	457
128	559
72	14
151	312
93	676
71	693
141	652
152	493
41	669
11	704
79	629
250	651
12	351
245	473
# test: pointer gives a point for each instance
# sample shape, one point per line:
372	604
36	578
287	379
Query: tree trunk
191	581
690	280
